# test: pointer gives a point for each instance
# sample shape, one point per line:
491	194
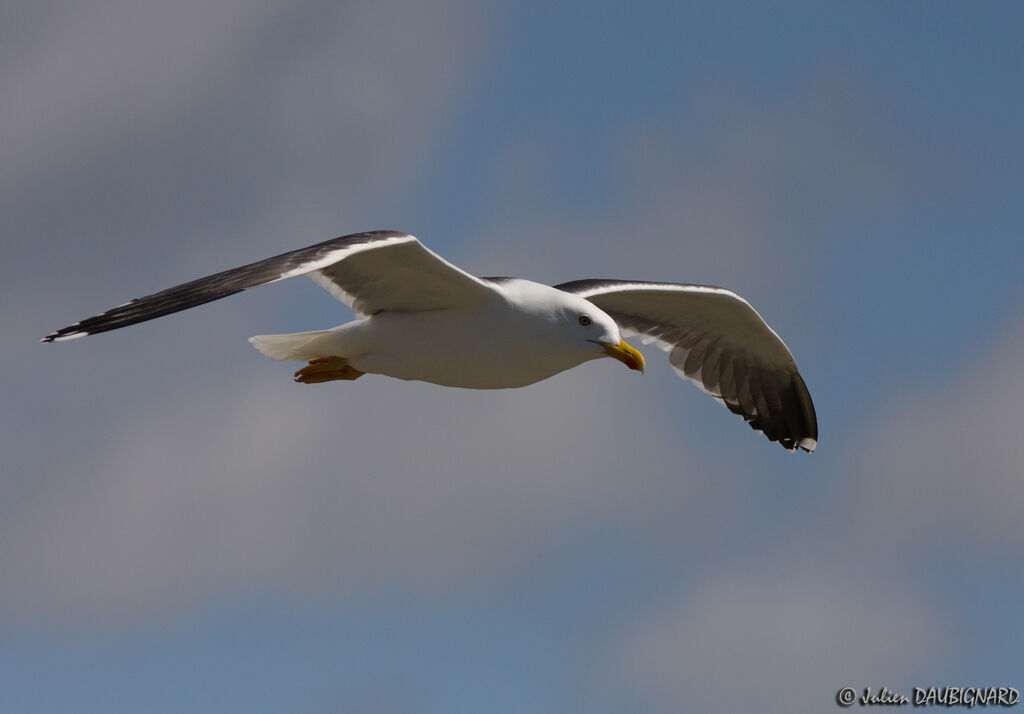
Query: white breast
492	346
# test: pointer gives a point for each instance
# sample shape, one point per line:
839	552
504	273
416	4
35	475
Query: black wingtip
807	444
71	332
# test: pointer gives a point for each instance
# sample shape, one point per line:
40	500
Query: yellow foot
327	369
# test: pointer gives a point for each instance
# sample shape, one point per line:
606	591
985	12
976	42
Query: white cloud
101	68
739	193
174	134
360	486
780	639
118	70
941	464
843	599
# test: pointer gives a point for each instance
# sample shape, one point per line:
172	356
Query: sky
182	528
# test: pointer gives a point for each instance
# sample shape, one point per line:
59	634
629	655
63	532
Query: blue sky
181	528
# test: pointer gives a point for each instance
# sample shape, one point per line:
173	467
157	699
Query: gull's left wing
370	272
716	340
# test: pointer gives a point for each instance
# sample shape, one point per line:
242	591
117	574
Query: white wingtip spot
808	444
64	338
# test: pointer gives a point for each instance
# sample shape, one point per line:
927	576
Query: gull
421	318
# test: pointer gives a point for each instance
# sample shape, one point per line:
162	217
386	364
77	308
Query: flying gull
422	318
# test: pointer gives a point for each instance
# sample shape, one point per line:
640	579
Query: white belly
461	347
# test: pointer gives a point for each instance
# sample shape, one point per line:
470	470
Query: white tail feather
295	346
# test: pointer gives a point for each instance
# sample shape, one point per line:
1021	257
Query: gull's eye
584	320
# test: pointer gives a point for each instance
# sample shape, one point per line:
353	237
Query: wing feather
370	272
716	340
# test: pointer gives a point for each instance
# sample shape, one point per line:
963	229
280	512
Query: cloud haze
788	637
176	516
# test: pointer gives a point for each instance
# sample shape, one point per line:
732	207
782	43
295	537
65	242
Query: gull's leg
327	369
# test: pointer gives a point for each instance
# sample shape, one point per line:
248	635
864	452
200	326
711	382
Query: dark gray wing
716	340
369	272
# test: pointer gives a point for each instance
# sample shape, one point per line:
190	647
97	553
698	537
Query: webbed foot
327	369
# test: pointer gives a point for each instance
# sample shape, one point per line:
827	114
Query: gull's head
597	333
565	329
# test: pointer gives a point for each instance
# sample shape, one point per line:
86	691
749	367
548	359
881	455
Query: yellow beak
627	354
